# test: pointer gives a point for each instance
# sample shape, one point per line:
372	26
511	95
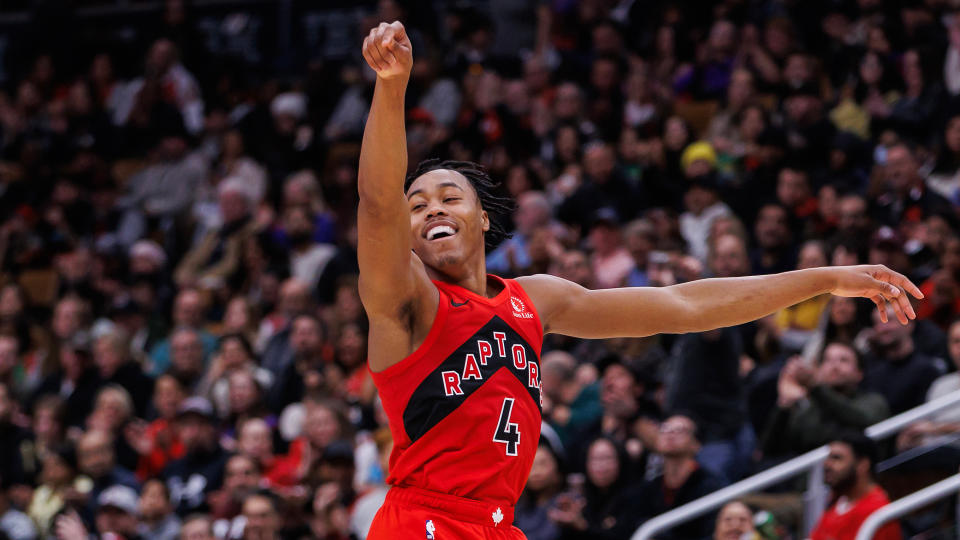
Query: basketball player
455	352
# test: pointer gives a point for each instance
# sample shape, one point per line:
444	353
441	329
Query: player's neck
473	278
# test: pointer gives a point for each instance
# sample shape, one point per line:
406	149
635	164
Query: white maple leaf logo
497	517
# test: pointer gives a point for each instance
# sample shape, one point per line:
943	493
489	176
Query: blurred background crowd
182	345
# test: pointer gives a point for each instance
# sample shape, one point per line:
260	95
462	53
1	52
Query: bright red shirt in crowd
166	447
842	520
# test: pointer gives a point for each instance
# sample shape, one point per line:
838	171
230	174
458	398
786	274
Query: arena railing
941	490
815	498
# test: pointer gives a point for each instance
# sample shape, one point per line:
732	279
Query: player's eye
450	199
418	206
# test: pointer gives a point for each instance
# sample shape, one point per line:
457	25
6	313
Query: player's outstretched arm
394	286
569	309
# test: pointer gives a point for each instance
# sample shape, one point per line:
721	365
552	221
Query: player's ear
484	220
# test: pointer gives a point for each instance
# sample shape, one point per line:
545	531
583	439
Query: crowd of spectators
182	344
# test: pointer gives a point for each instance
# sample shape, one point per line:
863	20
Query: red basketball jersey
464	408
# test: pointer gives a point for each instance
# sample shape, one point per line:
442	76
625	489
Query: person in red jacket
848	471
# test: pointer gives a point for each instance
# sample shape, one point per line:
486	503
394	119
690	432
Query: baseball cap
196	405
120	497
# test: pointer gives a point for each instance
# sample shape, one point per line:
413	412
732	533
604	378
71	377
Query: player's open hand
880	284
387	50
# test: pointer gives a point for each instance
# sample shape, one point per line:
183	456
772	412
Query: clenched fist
387	50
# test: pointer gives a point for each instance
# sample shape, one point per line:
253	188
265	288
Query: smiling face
447	222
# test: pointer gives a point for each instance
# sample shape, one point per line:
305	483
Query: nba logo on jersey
430	529
519	309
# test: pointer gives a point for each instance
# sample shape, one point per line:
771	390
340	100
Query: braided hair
499	207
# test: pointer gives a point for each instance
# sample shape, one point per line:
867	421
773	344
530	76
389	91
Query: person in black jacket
200	470
607	508
682	480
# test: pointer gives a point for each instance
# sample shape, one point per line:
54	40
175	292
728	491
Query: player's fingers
881	306
897	309
368	55
382	51
399	32
904	301
899	280
377	53
386	48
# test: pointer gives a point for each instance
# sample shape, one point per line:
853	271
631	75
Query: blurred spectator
704	378
683	478
946	422
606	506
903	195
157	520
197	527
262	514
895	368
188	311
111	355
849	471
59	485
17	461
816	405
215	259
610	260
200	470
96	459
735	522
158	442
241	477
540	494
14	523
512	257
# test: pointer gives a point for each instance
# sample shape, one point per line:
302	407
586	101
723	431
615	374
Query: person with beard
682	480
606	509
200	470
817	405
307	257
897	369
241	477
849	470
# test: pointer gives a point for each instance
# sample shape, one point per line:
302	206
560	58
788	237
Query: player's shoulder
548	293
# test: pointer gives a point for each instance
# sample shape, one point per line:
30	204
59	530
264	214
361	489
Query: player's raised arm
696	306
383	219
393	283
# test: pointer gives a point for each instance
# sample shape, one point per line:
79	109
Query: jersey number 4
507	432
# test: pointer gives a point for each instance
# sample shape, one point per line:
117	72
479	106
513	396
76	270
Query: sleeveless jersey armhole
383	378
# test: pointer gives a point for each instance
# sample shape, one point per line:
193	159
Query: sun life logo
519	309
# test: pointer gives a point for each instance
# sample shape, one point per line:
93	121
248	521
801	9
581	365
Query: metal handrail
803	463
881	516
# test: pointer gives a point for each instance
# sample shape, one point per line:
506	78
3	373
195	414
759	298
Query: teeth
439	229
